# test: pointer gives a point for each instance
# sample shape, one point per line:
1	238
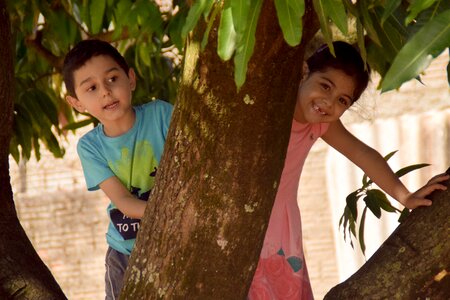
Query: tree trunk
204	225
23	275
413	263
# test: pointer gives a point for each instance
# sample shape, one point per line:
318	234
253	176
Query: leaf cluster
147	35
375	200
397	38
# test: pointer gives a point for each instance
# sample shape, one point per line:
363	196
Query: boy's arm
128	204
376	167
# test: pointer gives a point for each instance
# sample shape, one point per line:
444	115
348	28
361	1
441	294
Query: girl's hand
418	198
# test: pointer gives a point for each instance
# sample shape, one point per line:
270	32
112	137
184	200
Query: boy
121	155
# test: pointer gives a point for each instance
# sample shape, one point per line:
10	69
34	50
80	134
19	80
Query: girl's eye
92	88
325	86
344	101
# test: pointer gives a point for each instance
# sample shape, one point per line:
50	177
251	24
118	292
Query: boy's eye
91	88
112	79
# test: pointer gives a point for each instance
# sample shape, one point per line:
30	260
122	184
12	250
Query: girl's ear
132	77
75	103
305	71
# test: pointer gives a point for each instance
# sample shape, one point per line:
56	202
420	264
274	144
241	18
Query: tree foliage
148	35
398	39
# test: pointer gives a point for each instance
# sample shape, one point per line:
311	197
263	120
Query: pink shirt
281	272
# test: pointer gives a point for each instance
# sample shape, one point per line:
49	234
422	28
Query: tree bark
413	263
204	225
23	275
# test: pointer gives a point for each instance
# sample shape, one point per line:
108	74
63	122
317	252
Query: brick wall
67	224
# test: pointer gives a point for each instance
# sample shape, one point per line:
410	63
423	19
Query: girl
330	85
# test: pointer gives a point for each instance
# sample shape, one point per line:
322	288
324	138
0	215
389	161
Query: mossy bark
413	263
204	225
23	275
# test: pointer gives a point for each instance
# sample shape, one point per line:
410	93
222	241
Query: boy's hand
417	198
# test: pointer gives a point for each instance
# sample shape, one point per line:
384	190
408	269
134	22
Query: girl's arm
122	198
374	165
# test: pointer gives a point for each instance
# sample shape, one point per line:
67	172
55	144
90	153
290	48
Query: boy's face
104	90
324	96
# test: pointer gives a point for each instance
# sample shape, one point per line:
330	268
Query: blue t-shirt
133	158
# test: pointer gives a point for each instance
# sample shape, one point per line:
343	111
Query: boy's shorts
116	263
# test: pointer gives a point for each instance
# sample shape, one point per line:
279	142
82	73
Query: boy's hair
347	59
81	53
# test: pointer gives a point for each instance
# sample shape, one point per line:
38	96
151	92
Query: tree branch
413	263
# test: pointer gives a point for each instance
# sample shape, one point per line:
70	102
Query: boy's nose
106	91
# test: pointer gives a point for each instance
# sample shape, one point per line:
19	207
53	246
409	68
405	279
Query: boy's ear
75	103
132	77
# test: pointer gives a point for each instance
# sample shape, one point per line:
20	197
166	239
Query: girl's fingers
439	178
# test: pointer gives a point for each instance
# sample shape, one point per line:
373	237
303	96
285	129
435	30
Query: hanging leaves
419	51
245	43
375	200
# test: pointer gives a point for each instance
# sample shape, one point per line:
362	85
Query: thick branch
413	263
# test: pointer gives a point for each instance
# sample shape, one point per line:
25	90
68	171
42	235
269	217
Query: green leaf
448	70
361	231
382	200
226	41
209	26
23	132
404	214
351	200
246	44
149	18
416	7
367	21
324	24
367	182
335	9
175	26
389	9
290	20
47	106
360	39
372	204
14	148
36	147
408	169
194	14
144	54
97	11
391	38
121	14
76	125
240	11
418	52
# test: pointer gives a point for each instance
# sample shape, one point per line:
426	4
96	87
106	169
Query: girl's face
324	96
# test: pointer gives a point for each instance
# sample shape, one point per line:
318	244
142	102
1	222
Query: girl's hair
347	59
81	53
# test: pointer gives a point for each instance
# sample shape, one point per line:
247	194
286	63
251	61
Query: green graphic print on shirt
137	172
